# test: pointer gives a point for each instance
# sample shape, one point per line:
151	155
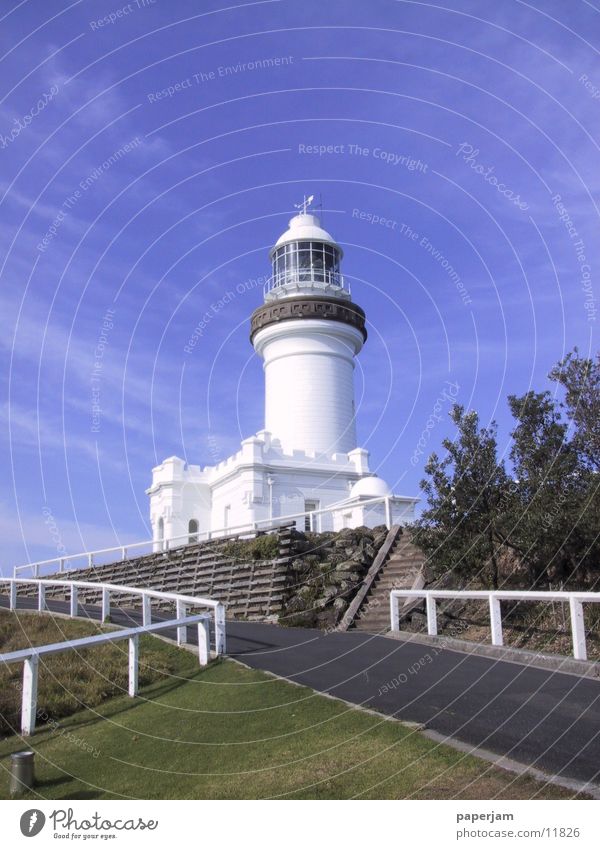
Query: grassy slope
74	679
232	732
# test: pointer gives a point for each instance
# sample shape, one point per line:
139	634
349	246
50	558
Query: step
398	578
401	559
404	563
377	614
379	624
408	556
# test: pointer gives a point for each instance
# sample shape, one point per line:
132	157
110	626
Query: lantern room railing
303	278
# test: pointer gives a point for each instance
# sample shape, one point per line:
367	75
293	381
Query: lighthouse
308	332
305	464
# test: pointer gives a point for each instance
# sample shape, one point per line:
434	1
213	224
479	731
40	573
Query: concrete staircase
402	569
251	590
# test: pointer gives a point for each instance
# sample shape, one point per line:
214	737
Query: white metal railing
300	278
311	517
89	557
182	602
30	658
576	600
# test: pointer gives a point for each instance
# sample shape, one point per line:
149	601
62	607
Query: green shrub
265	547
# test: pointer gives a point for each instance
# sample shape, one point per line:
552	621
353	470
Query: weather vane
305	204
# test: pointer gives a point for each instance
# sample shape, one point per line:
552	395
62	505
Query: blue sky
151	153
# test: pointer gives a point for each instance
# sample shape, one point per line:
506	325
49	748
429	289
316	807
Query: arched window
193	531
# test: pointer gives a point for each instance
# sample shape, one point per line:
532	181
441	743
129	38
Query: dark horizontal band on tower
286	309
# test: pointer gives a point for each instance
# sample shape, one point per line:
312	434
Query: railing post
105	604
41	597
388	513
220	636
182	629
13	596
29	698
203	642
146	609
394	616
74	594
432	628
133	664
496	621
577	629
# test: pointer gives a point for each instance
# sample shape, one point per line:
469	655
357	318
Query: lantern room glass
305	262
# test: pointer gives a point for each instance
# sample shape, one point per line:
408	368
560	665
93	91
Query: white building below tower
307	332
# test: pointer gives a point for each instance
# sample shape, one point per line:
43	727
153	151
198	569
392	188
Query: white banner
161	823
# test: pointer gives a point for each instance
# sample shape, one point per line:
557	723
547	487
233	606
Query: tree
580	378
548	490
467	495
547	512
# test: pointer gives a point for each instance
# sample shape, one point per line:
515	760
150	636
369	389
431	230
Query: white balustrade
575	600
90	558
30	656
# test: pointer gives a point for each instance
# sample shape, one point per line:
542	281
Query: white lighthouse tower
305	463
308	332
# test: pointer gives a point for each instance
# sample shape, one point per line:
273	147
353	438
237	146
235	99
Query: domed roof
371	486
304	227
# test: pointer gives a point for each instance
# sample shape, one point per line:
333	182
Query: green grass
73	679
229	732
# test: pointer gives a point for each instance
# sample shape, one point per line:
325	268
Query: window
332	260
318	263
304	262
193	531
291	258
226	515
310	521
161	532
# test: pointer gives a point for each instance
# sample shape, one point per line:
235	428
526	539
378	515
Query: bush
265	547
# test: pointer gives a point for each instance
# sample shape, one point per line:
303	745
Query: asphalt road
541	718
